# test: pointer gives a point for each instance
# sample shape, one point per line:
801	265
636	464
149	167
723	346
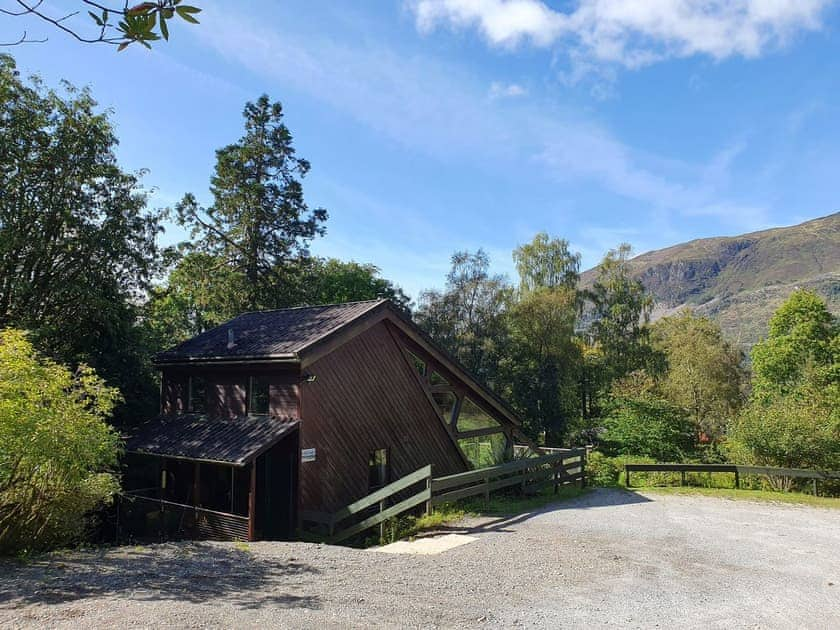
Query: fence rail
738	470
379	497
531	474
206	523
560	467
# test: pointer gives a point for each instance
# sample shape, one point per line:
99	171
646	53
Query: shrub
601	470
648	426
56	449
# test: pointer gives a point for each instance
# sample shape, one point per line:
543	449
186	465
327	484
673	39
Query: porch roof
235	441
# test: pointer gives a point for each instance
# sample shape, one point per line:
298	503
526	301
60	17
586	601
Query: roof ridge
298	308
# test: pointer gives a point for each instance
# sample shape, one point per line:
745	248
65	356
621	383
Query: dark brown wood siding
366	397
227	390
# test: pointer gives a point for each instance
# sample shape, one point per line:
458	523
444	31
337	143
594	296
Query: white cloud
631	33
442	111
506	90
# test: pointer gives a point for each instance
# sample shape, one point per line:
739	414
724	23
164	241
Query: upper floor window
196	395
258	395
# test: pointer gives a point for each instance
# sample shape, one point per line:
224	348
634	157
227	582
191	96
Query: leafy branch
142	23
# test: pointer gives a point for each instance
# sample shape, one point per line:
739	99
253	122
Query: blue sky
439	125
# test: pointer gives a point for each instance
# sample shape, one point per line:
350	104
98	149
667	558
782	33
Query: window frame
250	398
189	406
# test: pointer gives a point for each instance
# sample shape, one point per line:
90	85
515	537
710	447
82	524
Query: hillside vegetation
740	280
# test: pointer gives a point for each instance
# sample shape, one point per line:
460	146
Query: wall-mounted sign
307	454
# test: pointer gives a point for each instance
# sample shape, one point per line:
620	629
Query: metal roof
268	334
234	441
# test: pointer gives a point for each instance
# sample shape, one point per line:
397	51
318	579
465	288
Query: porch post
252	502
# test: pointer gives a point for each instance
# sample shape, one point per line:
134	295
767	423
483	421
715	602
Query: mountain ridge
740	280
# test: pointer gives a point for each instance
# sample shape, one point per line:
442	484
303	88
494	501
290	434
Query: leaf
164	29
95	18
123	46
189	9
185	15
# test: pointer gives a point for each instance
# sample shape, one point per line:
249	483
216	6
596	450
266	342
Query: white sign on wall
307	454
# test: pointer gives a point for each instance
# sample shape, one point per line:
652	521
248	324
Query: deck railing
206	523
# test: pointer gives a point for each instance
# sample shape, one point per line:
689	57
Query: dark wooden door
277	486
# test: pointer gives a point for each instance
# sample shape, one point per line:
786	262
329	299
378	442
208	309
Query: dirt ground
607	559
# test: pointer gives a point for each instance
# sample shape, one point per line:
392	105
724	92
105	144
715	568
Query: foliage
800	429
601	470
793	417
702	372
542	365
56	449
467	318
621	309
802	333
546	263
143	23
77	246
259	226
648	426
332	281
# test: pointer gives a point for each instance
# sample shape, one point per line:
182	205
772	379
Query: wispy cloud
631	33
506	90
439	109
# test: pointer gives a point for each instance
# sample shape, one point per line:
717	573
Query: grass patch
510	504
797	498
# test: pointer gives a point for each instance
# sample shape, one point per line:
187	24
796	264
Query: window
472	417
378	468
197	396
437	379
258	395
419	365
446	403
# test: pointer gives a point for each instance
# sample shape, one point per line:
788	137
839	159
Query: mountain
740	280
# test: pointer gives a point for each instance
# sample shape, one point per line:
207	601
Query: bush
648	427
601	470
56	450
800	429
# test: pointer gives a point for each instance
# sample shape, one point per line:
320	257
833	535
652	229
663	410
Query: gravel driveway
609	558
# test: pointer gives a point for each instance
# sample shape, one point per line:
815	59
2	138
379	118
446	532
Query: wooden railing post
382	524
626	475
429	488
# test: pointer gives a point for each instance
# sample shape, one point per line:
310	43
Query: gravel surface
609	558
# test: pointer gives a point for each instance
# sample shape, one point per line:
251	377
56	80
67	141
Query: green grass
510	504
797	498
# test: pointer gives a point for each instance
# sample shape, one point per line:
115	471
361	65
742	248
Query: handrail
186	506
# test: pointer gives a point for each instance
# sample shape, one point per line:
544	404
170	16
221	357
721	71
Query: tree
802	332
621	309
144	22
546	263
57	453
542	365
259	224
798	429
467	318
793	417
702	373
77	245
332	281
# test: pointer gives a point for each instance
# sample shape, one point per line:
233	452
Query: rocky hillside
740	280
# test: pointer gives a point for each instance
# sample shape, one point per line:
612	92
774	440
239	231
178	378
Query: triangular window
472	417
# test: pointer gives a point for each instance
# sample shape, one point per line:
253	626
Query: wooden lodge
278	413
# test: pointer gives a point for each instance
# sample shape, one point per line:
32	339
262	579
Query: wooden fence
378	498
731	468
561	467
